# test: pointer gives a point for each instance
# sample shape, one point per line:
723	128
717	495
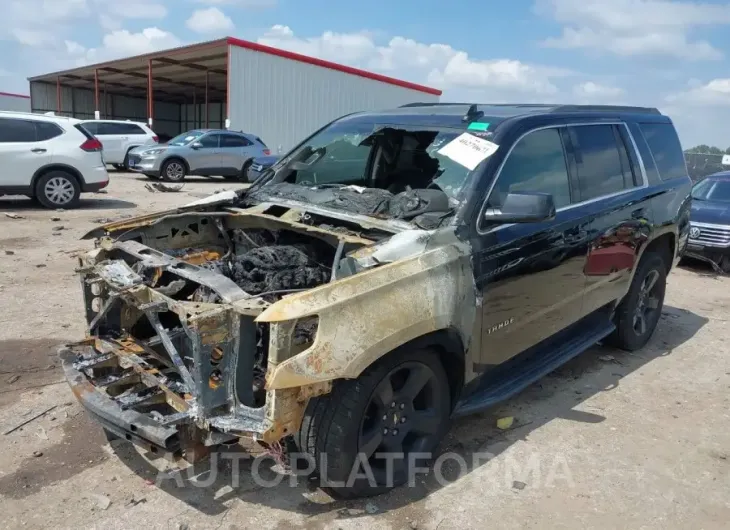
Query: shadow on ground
87	202
600	369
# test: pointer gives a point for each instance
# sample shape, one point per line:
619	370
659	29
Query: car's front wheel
173	170
58	189
370	433
638	313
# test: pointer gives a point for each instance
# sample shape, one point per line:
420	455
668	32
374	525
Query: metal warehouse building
14	102
275	94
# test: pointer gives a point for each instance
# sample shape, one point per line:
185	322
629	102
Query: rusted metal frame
194	65
146	349
150	97
97	111
113	299
207	103
157	78
58	94
172	351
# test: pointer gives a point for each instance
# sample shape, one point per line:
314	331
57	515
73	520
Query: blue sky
666	53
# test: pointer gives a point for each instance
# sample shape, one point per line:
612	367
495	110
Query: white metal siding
14	103
283	100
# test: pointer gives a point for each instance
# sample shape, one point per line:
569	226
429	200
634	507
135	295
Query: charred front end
174	359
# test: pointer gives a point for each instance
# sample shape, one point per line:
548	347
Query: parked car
204	152
709	235
259	165
119	138
397	270
49	158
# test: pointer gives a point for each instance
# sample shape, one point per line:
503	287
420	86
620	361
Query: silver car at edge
204	152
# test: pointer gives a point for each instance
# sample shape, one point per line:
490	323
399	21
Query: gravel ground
611	440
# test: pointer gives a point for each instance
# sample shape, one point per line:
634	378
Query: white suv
119	138
50	158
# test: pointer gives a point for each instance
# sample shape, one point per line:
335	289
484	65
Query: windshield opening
389	157
712	190
186	138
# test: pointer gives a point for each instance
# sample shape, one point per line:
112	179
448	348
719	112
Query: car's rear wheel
58	189
638	313
173	170
119	167
378	426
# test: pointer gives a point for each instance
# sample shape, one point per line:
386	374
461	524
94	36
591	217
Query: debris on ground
134	502
14	216
26	422
55	219
102	501
505	423
59	228
607	359
101	192
518	485
103	220
41	265
371	508
37	453
42	434
9	253
13	379
166	188
414	525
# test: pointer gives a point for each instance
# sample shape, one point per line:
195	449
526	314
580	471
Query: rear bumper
95	179
133	426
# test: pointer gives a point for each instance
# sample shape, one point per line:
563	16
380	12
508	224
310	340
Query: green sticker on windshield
476	126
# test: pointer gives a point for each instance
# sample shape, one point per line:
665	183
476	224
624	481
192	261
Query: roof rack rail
605	108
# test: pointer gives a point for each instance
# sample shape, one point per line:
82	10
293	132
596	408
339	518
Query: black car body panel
709	236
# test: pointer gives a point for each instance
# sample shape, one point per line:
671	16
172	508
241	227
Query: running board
517	374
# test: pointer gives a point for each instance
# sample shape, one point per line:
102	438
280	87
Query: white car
50	158
119	138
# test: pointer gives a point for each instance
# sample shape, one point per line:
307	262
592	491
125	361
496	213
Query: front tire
58	189
399	406
173	170
638	313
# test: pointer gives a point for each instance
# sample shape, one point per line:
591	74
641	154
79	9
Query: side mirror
196	145
523	208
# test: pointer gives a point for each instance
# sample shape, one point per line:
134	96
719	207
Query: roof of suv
41	117
462	114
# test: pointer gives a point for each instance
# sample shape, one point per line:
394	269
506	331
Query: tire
120	167
641	304
58	189
355	418
125	163
173	170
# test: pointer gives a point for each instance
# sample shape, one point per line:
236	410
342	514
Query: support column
150	95
58	95
195	110
97	109
207	103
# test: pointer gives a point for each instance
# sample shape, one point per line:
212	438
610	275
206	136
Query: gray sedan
204	152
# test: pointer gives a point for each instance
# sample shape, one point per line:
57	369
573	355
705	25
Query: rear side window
666	149
601	160
92	127
233	140
46	130
535	164
259	140
16	131
210	140
108	128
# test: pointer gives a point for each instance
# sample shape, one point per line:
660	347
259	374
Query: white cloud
240	3
713	93
436	64
139	9
123	43
211	20
597	93
636	27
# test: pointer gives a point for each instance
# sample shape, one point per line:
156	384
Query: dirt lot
612	440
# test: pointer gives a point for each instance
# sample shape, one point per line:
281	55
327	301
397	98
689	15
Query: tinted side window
600	171
667	151
233	140
92	127
210	140
13	130
535	164
46	130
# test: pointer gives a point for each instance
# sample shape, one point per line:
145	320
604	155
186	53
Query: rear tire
401	404
58	189
638	313
119	167
173	170
125	163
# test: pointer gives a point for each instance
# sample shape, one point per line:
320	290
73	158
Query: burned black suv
393	271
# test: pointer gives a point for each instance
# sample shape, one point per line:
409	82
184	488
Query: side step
520	372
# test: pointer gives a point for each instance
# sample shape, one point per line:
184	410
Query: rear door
109	134
25	147
234	152
530	275
132	135
612	194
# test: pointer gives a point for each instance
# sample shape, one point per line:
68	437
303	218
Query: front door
206	158
233	151
22	151
531	275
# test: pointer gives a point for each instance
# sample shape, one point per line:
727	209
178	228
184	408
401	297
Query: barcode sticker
468	150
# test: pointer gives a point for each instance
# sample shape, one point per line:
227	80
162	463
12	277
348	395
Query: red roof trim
332	66
10	94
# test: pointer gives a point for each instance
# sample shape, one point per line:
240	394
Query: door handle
38	150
